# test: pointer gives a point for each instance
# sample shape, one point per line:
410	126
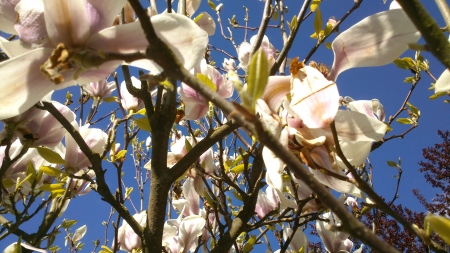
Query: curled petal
443	83
278	87
374	41
355	126
206	22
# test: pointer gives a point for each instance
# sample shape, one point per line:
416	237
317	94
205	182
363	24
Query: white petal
443	83
8	15
13	48
23	84
101	13
190	228
376	40
66	22
206	22
355	126
184	37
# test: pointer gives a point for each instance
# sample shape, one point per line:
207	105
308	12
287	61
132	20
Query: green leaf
318	22
68	223
440	225
406	121
392	164
328	29
409	79
205	79
50	155
111	99
237	195
128	191
105	249
50	171
275	16
212	5
314	5
238	169
187	144
328	45
404	63
51	187
31	171
166	84
294	22
257	77
142	112
414	109
143	124
249	244
121	154
198	17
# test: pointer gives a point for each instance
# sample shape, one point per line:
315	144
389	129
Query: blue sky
384	83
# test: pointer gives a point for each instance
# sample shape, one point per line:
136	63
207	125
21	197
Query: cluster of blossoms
53	53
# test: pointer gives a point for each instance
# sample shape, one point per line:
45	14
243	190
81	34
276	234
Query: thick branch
437	43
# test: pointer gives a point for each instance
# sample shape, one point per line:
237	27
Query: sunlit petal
443	83
355	126
101	13
184	37
381	38
25	84
206	22
314	98
190	229
66	22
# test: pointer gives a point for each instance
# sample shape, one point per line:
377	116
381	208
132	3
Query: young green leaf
257	77
50	171
440	225
318	22
205	79
143	124
50	155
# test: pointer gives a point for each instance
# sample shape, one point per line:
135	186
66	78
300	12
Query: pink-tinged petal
101	13
190	229
30	24
23	84
321	157
191	6
278	87
190	95
13	48
66	22
355	126
314	98
184	37
274	165
192	198
443	83
298	241
207	159
374	41
206	22
194	111
8	15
